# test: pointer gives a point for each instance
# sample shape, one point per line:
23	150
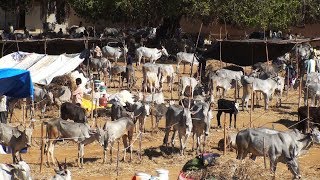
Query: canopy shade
15	83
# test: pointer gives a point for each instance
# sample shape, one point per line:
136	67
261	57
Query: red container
103	101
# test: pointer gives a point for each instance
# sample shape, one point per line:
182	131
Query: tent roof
15	83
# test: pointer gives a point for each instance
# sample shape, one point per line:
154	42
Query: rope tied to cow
138	135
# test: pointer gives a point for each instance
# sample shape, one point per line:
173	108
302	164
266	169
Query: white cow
187	82
114	52
266	87
186	58
15	171
152	54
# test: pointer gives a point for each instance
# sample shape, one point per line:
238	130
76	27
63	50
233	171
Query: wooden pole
220	49
171	86
92	107
42	148
224	134
288	82
45	46
264	154
95	118
2	51
17	43
195	49
118	158
267	53
308	110
251	106
24	111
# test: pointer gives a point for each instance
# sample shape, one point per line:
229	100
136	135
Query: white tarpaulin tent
43	68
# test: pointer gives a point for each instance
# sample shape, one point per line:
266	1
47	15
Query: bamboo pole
171	87
288	82
220	49
42	148
224	134
196	49
2	51
45	46
24	111
92	100
118	159
17	43
251	107
308	110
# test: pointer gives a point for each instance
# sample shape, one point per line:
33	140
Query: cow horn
59	165
65	163
181	103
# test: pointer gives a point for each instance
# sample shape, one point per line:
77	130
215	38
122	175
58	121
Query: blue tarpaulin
15	83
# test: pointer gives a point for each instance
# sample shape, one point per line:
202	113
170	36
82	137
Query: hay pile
64	80
230	168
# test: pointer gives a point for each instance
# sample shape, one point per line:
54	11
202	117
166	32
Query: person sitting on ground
26	33
78	93
60	33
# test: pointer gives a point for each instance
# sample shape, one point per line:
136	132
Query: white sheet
43	68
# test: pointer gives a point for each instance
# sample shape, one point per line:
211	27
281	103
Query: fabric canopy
43	68
15	83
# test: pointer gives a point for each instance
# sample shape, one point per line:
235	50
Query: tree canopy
265	14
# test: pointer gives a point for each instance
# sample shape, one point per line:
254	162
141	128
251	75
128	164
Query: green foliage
15	5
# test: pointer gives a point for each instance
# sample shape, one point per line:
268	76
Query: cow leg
235	121
198	143
111	143
266	101
204	143
105	146
181	144
125	145
80	154
166	136
52	154
230	120
130	136
218	118
172	138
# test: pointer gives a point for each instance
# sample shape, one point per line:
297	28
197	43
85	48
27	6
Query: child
78	93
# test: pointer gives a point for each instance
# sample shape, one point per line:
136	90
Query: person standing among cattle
78	93
3	109
310	64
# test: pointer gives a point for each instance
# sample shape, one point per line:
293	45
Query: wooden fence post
224	134
42	148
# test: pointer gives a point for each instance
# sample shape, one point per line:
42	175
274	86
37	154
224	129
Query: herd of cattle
192	113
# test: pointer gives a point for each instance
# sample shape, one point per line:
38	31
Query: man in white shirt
3	109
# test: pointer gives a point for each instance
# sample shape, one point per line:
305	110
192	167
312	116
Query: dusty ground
155	156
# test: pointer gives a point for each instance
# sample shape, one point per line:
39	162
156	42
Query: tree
15	5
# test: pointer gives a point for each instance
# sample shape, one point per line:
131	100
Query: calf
230	107
115	71
20	170
78	132
73	112
16	138
166	73
179	118
112	131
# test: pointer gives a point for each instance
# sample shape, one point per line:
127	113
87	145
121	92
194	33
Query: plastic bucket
143	176
163	174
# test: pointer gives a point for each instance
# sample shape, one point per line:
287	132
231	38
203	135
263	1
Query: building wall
33	17
7	17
